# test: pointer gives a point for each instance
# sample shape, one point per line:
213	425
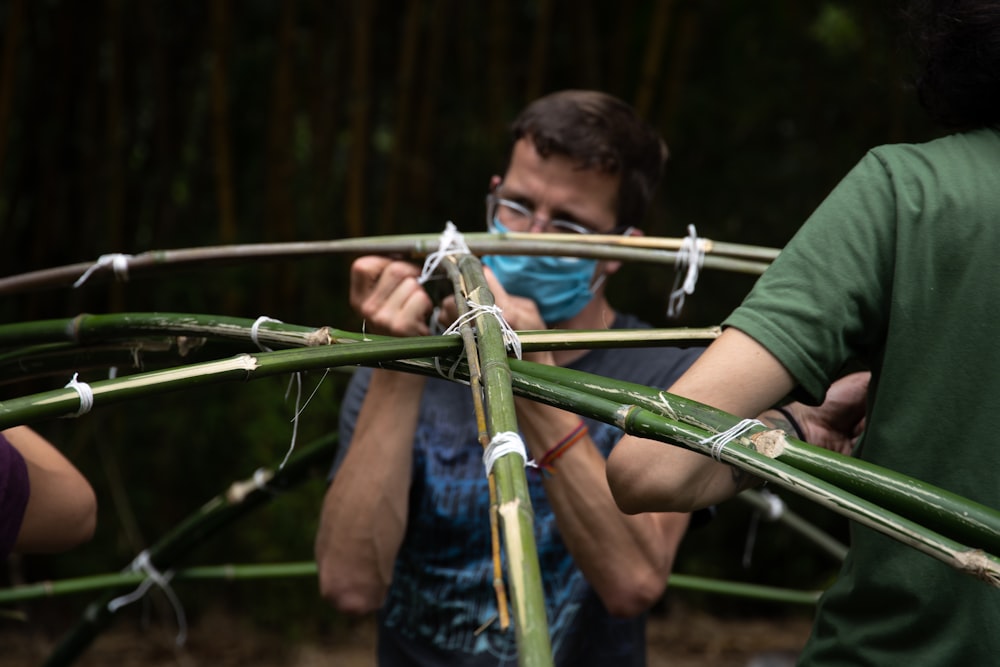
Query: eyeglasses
519	218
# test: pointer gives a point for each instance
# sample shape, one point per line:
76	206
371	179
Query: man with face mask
405	524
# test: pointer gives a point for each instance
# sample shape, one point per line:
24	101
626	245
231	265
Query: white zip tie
505	442
690	255
86	395
510	339
118	262
143	563
723	438
452	243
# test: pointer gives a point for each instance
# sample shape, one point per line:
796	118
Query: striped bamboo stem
723	256
959	518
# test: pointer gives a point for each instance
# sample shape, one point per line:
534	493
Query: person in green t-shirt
895	269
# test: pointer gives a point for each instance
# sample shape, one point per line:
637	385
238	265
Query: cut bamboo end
770	443
978	563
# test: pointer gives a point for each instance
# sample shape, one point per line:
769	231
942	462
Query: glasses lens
567	227
513	216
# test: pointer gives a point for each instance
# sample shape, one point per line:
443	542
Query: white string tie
144	564
691	256
450	375
118	262
505	442
434	323
452	243
256	327
86	395
295	379
723	438
510	339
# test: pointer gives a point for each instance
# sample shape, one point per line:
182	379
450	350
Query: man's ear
494	182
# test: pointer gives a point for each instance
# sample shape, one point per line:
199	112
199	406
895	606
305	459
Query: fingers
387	295
520	313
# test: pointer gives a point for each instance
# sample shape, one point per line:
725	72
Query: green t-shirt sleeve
820	303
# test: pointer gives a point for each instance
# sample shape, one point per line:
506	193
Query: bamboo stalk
475	384
692	434
513	497
231	572
731	257
946	513
68	401
87	328
742	453
959	518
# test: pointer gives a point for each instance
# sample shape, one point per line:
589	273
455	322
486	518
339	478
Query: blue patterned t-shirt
441	606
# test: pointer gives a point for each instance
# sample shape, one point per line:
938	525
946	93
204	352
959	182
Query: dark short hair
958	49
599	132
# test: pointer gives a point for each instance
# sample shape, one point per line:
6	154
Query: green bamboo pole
91	329
651	424
513	497
723	256
254	571
943	511
68	401
742	452
976	522
237	501
326	362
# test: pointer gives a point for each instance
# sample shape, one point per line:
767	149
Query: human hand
839	421
521	313
387	295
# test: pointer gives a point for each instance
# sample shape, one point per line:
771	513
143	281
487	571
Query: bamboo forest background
134	126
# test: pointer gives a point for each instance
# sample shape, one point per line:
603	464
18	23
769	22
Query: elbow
78	522
349	595
629	482
86	523
638	486
72	523
636	596
348	587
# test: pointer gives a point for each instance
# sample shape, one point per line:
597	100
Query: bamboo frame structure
956	531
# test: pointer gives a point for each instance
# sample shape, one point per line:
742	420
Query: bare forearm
627	559
364	512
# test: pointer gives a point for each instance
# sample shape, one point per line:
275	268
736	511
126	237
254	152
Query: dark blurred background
135	126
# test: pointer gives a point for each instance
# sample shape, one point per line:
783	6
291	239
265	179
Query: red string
547	462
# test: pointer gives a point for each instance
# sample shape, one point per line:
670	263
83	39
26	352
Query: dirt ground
683	638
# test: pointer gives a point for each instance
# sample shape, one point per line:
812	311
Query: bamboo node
769	443
320	336
238	491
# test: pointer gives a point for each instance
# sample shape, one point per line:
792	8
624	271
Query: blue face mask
559	286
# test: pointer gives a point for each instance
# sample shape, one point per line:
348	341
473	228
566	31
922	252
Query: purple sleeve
14	491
